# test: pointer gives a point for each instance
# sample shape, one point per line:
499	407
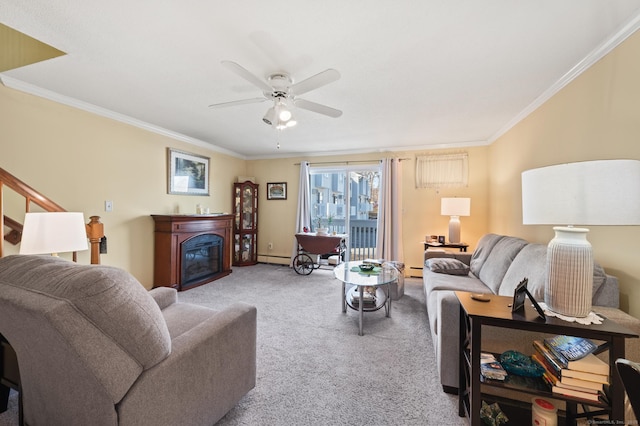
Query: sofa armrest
462	256
164	296
215	360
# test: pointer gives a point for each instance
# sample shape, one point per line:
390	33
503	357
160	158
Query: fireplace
201	259
191	250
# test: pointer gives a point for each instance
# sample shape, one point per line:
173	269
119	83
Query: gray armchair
94	347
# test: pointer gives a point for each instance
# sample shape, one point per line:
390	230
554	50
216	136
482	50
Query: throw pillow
448	266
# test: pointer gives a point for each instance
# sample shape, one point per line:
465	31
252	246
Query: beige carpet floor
313	367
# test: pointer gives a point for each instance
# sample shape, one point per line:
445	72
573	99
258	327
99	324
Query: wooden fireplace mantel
173	230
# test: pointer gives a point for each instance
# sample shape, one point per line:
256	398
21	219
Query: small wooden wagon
309	243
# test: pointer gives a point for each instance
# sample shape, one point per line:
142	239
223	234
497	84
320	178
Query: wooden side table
462	246
497	312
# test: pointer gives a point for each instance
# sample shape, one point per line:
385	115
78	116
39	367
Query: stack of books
490	367
571	368
368	297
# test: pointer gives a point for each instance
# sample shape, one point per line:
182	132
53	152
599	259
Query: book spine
576	394
562	360
549	379
578	388
582	383
547	368
555	364
592	377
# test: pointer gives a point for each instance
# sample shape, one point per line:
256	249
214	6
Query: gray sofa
94	347
496	266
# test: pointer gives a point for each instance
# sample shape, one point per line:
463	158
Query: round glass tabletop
350	273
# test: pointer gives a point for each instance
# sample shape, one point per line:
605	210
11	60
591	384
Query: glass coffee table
355	283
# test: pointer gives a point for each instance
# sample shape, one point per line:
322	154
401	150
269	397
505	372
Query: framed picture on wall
277	191
188	174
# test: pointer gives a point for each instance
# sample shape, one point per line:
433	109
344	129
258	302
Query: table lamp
455	207
601	192
53	233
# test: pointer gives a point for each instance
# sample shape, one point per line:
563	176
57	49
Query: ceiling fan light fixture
279	116
283	124
270	116
284	114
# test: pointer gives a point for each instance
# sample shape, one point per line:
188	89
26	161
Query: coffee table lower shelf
354	293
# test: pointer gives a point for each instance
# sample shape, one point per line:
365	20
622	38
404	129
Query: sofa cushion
482	251
447	266
499	260
99	293
530	263
435	282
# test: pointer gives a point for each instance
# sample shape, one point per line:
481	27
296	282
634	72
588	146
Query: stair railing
94	228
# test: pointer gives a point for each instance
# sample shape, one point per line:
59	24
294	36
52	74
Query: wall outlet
108	206
270	246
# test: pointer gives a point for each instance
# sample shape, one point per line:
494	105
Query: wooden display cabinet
245	228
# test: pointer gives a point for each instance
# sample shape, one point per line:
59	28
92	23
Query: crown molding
596	54
88	107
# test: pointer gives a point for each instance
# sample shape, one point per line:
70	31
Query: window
344	199
444	170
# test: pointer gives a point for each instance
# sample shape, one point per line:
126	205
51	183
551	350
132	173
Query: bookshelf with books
581	375
605	398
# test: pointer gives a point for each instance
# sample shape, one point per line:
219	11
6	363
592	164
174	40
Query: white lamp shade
455	206
53	232
601	192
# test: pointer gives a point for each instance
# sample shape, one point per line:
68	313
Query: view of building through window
345	201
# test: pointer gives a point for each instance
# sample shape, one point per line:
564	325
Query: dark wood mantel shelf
172	231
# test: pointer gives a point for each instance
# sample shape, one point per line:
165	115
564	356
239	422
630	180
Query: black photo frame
276	190
518	296
518	299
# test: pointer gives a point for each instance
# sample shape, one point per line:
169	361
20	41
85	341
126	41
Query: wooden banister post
95	232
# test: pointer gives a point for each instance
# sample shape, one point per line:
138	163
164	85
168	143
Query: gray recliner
94	347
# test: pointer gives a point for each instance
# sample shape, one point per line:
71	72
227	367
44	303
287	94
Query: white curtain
303	217
389	242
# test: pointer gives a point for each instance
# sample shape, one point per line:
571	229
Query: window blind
442	170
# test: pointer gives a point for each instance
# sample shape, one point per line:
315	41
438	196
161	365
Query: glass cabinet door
236	208
248	209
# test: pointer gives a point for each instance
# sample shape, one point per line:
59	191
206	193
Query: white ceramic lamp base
454	230
569	272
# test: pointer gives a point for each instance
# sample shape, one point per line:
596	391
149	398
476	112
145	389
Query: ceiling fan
281	89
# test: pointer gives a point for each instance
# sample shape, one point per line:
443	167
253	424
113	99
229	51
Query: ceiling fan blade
325	77
242	72
319	108
240	102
